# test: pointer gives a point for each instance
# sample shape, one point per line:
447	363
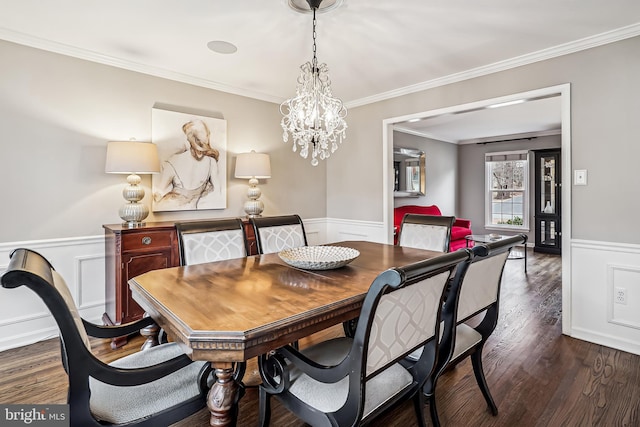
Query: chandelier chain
314	34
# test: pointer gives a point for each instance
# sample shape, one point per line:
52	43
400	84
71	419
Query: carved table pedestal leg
151	335
223	396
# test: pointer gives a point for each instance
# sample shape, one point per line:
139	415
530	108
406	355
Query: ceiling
374	49
531	117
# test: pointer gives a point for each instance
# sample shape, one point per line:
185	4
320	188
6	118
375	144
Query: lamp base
133	214
253	207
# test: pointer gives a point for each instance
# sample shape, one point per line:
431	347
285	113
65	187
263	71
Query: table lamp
133	158
253	166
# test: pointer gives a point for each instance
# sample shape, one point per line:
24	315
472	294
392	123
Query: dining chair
477	293
276	233
349	381
158	386
211	240
430	232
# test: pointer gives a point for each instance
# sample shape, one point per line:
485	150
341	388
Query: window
507	195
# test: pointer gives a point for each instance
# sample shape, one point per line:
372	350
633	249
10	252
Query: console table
130	252
488	238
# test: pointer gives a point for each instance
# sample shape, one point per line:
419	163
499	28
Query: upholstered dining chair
430	232
349	381
211	240
276	233
478	293
158	386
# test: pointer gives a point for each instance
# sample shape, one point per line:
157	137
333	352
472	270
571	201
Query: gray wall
57	114
441	164
605	106
472	185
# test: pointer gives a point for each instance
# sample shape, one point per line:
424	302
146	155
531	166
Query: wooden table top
237	309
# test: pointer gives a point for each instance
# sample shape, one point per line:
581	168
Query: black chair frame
29	268
485	328
275	368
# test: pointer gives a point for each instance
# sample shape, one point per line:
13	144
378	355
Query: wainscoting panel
597	269
345	229
330	230
24	319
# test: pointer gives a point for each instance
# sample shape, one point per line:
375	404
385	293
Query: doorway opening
563	91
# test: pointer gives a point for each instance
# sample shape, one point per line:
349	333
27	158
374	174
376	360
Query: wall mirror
409	172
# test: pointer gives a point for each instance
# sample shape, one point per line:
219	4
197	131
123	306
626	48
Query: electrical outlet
620	295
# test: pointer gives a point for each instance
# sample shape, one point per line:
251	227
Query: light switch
580	177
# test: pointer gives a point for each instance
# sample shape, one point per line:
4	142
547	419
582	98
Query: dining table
226	312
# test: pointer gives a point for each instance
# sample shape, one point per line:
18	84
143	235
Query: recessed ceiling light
303	7
220	46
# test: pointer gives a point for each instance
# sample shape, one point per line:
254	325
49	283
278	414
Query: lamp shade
253	165
132	157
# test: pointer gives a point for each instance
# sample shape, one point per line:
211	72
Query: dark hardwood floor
537	376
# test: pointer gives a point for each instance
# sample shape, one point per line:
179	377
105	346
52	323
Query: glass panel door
548	185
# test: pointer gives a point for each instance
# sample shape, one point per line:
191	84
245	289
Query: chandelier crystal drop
314	118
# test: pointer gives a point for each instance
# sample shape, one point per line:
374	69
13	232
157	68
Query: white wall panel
24	318
597	268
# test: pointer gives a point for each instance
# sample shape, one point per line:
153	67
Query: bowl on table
318	257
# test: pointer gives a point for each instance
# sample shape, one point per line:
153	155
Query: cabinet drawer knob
146	240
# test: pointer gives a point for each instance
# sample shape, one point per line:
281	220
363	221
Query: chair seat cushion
118	404
329	397
466	337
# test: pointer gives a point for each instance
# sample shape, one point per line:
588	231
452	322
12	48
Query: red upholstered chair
461	227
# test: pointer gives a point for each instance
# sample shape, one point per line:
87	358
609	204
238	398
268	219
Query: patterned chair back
430	232
208	241
274	234
481	285
403	320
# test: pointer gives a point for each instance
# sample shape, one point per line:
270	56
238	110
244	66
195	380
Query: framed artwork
193	158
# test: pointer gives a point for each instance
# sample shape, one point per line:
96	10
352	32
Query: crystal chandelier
314	118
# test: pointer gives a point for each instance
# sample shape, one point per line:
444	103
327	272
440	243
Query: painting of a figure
192	152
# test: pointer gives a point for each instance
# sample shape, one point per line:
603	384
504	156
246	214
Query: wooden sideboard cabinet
130	252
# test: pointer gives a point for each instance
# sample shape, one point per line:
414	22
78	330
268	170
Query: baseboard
606	340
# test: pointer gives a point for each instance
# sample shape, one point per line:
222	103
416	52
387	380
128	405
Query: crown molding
560	50
542	55
64	49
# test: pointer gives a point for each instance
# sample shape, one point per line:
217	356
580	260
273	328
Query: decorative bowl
318	257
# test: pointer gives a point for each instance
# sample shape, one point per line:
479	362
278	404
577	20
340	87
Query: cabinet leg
117	342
